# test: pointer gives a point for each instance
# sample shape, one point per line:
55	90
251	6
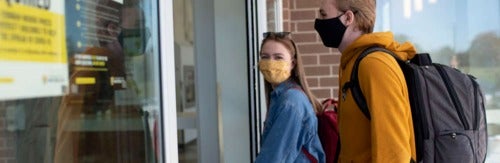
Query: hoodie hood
404	51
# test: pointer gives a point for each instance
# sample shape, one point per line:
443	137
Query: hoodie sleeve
385	90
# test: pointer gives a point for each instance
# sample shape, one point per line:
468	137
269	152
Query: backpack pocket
454	146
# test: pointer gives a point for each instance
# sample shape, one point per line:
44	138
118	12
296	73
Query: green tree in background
485	50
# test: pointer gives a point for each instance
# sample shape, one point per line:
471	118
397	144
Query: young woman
290	130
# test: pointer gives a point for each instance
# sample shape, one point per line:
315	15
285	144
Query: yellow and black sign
31	34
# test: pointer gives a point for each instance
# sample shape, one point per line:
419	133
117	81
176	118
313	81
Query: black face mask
331	31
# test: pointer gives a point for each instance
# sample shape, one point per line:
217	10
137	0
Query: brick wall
321	63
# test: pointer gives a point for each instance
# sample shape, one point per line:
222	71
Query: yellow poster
33	57
31	34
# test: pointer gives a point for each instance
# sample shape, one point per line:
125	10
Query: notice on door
33	57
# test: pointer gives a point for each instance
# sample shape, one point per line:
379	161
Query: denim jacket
291	128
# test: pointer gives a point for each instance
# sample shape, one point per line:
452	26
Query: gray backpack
447	109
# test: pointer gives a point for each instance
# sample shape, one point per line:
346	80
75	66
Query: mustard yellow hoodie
388	137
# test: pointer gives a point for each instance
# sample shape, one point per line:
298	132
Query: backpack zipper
476	103
447	81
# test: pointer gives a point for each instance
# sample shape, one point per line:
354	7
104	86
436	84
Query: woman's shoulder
295	94
295	97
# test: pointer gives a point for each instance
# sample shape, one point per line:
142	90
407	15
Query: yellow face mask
275	72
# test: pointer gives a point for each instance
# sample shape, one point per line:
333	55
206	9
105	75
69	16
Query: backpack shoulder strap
353	83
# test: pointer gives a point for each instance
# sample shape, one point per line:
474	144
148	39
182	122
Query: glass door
79	81
186	107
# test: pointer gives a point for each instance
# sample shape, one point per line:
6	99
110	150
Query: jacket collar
283	86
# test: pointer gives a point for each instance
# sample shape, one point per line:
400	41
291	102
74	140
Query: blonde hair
364	12
298	74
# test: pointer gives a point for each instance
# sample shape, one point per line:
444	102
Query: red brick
317	71
309	60
306	26
286	26
335	93
335	69
286	14
329	59
312	49
312	82
300	4
303	15
286	4
329	82
334	51
293	26
304	37
322	93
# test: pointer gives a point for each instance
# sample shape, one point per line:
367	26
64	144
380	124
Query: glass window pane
459	33
79	81
187	132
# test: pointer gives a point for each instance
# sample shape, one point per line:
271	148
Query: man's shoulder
378	59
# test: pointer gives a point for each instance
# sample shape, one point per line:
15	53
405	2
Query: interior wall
232	78
184	55
231	73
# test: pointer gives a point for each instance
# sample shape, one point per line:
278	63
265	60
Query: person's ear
349	17
294	64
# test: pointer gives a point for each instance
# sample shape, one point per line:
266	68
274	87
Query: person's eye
264	57
279	57
322	14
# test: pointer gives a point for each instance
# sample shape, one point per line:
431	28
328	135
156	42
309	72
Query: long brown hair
298	75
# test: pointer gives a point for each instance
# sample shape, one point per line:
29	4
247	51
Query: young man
388	135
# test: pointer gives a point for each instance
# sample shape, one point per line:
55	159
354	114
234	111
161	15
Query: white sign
33	57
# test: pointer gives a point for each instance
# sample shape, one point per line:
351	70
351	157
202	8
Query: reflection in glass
185	83
110	110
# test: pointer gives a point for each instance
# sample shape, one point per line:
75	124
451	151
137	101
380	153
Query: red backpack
328	130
